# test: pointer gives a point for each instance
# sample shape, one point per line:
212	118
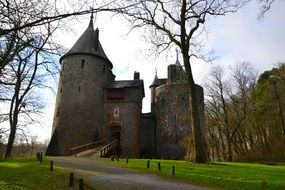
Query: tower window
82	63
79	88
60	90
104	68
57	111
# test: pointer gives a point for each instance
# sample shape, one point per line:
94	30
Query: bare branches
264	6
25	71
229	106
36	14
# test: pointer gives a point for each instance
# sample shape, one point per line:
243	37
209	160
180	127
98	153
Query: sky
234	38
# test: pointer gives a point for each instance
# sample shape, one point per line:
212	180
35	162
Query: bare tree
218	105
23	77
180	23
26	59
229	107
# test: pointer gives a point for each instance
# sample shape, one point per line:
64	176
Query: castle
91	106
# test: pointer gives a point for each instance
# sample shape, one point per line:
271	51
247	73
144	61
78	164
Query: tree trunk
13	119
200	155
10	142
229	148
199	141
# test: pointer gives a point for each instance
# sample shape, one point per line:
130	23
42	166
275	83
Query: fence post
173	170
41	157
71	176
81	186
51	166
38	156
158	166
147	165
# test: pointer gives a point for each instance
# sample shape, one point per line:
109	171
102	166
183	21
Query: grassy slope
28	173
225	175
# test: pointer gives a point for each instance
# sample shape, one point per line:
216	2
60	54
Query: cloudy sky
234	38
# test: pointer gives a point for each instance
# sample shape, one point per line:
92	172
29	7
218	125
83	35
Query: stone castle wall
172	119
79	104
127	121
148	136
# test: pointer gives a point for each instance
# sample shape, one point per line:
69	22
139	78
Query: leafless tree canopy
175	22
245	119
27	58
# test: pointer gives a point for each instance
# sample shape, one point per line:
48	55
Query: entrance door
116	135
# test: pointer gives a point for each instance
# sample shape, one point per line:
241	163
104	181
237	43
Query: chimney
171	74
136	75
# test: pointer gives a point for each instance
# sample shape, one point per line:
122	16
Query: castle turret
85	70
153	86
175	72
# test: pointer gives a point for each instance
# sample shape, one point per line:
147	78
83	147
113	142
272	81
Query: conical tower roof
155	82
177	63
88	43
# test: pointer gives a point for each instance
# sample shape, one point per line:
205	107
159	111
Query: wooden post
127	160
158	166
38	156
173	170
41	157
51	166
81	186
71	177
148	162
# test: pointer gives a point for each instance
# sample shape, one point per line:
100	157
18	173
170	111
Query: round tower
78	118
153	86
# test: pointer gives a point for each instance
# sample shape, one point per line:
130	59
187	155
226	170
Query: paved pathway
103	176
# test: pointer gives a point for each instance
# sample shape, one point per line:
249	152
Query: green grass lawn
222	175
29	173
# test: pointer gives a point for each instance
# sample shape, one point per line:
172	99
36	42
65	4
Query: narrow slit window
57	111
60	90
82	63
104	68
79	88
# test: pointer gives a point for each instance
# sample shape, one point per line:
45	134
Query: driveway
103	176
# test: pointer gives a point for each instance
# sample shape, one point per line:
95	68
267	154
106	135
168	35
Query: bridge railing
109	148
87	146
